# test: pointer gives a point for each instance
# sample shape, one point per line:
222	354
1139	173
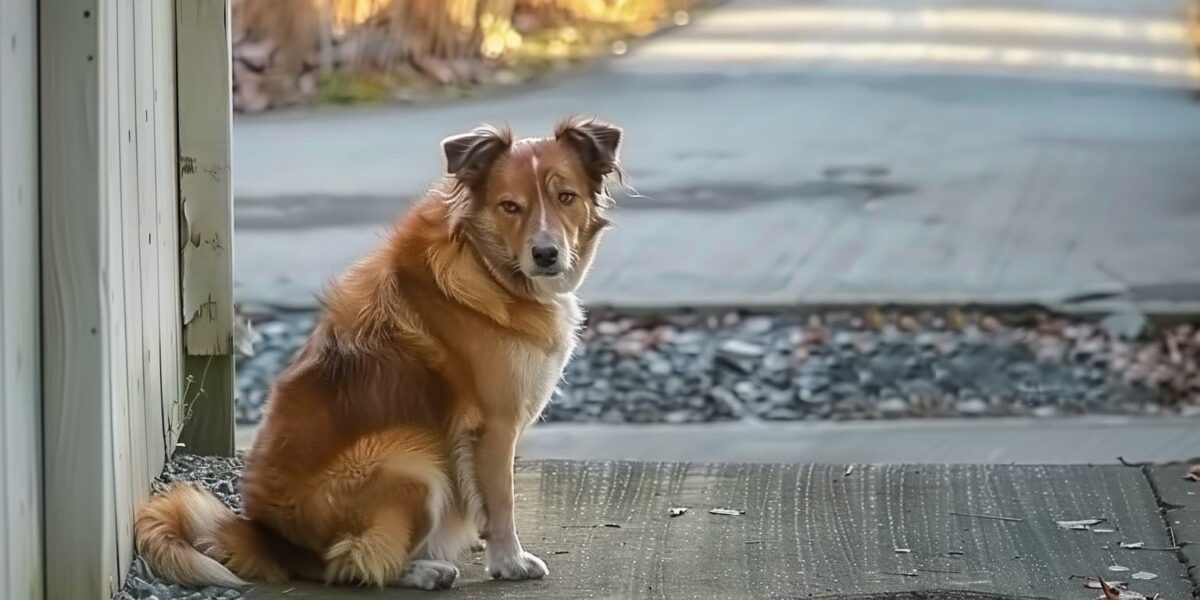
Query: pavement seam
1164	508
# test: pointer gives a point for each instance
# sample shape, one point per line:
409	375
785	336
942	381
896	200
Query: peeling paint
205	221
184	229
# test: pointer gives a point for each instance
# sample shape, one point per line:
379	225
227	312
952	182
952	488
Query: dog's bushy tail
186	535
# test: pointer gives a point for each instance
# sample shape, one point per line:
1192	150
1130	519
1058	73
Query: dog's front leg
506	559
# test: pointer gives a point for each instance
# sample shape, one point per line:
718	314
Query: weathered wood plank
112	350
77	278
167	207
149	423
814	531
20	393
128	392
206	211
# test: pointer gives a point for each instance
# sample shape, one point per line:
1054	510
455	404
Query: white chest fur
536	370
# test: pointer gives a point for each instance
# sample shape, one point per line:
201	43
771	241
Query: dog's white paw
430	574
519	565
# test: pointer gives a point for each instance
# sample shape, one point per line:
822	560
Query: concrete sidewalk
1056	165
820	531
997	441
1077	440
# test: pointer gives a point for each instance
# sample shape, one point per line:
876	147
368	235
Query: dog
388	443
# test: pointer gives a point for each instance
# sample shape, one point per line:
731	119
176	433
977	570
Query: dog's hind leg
391	490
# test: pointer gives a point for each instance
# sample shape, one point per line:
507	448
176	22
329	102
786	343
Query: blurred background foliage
341	51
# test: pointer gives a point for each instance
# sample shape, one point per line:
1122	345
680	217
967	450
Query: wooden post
20	360
110	338
75	294
206	222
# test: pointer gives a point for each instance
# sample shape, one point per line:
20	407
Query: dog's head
534	208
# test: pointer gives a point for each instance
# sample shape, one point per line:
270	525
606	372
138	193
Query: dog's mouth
546	273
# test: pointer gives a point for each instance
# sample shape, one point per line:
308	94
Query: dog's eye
510	207
566	197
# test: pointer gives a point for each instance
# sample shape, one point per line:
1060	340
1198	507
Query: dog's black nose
545	256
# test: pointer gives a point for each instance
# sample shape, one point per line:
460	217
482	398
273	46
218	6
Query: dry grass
361	49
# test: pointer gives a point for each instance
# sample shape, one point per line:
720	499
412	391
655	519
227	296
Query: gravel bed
686	368
218	475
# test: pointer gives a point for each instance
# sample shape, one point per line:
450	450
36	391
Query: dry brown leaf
1133	545
1130	595
874	318
956	319
1110	592
675	512
1144	575
1094	584
991	324
1193	473
1173	351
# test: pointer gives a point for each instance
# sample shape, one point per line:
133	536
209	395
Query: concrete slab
776	172
1089	440
814	531
1080	440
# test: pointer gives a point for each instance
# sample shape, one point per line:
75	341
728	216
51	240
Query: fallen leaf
849	470
903	550
874	318
956	319
1193	473
1144	575
1173	351
1099	530
1110	593
1133	545
991	324
1129	595
675	512
613	525
1118	569
1094	584
1081	525
728	512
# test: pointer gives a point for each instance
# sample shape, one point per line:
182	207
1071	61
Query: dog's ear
594	141
469	156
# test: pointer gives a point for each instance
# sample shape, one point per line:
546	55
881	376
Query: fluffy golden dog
387	447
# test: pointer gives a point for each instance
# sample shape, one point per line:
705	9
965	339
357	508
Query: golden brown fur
387	445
